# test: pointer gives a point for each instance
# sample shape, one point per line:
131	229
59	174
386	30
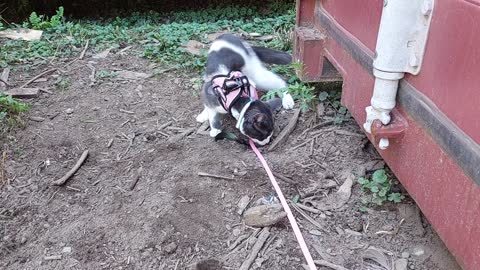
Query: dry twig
204	174
69	174
262	238
286	131
38	76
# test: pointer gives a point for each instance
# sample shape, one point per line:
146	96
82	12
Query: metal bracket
394	130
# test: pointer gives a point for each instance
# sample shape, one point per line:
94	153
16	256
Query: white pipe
400	47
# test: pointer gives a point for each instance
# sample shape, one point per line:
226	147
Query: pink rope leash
291	218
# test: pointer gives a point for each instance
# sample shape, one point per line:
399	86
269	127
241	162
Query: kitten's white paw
287	101
203	116
214	132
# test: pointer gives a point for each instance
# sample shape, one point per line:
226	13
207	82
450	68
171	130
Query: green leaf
323	96
362	181
296	198
379	176
374	189
382	192
338	120
363	209
342	110
395	197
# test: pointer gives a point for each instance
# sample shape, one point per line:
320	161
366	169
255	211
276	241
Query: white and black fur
230	53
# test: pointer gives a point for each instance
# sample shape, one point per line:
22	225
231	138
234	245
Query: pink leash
291	218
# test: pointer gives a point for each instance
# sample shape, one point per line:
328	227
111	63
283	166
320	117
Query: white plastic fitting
401	42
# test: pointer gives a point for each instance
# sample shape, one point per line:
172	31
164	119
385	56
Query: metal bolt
383	143
427	7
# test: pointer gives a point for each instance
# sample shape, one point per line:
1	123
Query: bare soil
173	218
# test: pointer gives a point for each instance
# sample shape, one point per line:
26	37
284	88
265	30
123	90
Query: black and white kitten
230	53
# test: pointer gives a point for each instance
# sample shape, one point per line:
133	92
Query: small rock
131	75
23	240
242	204
264	215
69	111
67	250
405	255
339	230
351	232
418	251
36	118
103	54
170	248
320	109
315	232
401	264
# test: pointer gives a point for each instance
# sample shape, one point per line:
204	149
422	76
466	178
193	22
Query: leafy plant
41	22
333	98
379	187
10	110
62	83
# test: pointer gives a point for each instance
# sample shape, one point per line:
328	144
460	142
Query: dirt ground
173	218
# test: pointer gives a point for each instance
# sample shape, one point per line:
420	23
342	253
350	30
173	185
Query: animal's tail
270	56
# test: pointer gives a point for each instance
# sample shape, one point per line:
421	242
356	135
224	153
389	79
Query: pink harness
229	88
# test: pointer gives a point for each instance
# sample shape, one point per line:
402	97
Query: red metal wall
449	79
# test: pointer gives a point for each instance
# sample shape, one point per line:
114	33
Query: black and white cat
229	53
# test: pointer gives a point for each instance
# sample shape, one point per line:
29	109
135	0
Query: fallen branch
286	131
69	174
262	238
204	174
284	178
38	76
329	264
307	217
136	178
4	77
180	136
84	50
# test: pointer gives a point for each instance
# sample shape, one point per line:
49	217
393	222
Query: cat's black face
258	123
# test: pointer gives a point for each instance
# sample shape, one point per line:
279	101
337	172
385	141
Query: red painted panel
450	74
447	197
360	17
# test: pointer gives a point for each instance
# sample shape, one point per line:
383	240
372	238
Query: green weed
333	98
10	110
62	83
160	36
379	188
41	22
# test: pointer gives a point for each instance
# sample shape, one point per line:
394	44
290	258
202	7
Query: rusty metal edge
449	136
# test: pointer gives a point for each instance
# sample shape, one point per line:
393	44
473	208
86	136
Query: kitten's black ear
274	104
259	121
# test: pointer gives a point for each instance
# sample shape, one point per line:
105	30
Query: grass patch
10	111
159	36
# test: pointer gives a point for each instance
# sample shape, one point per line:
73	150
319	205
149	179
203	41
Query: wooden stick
307	217
84	50
329	264
70	173
136	178
38	76
262	238
284	178
4	76
286	131
204	174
